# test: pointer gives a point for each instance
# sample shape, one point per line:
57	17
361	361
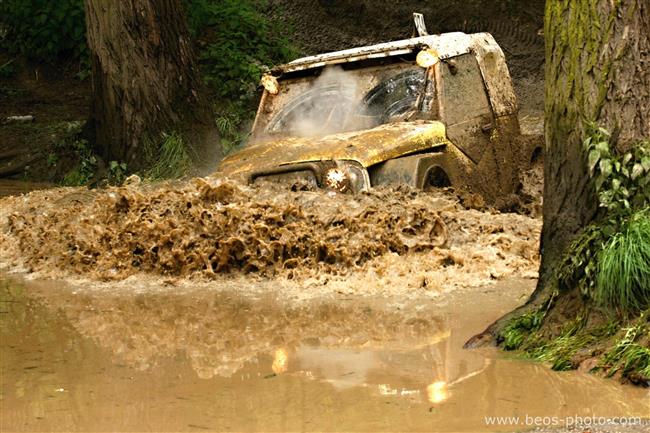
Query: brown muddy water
92	357
205	229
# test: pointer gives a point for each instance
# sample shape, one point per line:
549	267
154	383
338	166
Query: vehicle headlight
271	84
346	176
427	58
337	180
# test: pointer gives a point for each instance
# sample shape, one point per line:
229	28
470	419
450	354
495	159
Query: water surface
202	360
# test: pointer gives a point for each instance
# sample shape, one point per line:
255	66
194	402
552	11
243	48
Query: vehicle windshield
340	100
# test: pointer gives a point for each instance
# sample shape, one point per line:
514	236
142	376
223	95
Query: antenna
420	26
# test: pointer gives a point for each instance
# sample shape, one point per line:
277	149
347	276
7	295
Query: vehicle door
465	107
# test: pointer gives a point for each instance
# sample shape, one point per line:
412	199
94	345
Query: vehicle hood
367	147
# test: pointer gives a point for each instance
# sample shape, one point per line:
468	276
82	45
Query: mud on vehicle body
434	110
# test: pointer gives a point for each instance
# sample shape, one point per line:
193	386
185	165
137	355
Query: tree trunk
597	71
144	75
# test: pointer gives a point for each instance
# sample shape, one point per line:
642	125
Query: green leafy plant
71	146
579	267
44	29
622	182
117	172
622	253
237	41
237	44
560	351
85	169
52	159
609	261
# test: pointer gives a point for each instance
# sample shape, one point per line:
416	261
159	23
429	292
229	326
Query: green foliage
52	159
85	169
579	267
622	181
231	121
117	172
623	279
628	355
240	42
82	173
235	44
609	260
235	39
44	29
168	160
560	351
519	328
71	146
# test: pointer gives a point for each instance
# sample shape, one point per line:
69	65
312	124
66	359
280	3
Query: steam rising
341	101
329	106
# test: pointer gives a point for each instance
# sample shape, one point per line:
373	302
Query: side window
464	95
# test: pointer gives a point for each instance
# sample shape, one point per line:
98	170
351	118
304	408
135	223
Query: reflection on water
280	361
209	361
438	392
219	332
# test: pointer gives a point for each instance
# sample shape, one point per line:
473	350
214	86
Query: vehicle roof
486	50
447	45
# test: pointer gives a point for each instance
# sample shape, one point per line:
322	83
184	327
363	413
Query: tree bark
597	71
144	75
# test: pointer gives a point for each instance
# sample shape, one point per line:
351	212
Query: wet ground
92	357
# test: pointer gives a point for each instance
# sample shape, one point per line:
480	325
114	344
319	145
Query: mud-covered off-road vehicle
434	110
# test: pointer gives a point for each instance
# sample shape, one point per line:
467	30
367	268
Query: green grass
623	280
628	355
233	123
519	329
169	161
560	351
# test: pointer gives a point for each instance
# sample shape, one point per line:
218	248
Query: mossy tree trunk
597	70
144	75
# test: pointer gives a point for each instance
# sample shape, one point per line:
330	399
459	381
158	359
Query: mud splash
206	227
